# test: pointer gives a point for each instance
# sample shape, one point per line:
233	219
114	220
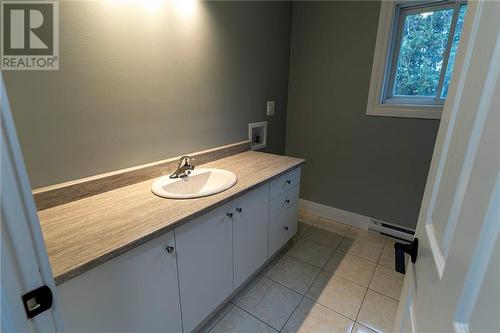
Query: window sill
406	111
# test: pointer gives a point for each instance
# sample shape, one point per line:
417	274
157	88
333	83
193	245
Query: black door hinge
37	301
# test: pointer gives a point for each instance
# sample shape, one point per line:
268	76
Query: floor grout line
304	295
219	320
378	292
366	292
303	261
377	263
283	286
343	278
343	237
291	314
278	283
247	287
321	269
329	308
239	307
310	286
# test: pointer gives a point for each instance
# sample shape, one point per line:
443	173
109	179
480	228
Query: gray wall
374	166
138	85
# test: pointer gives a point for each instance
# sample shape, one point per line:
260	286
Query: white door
135	292
205	262
24	262
250	232
454	285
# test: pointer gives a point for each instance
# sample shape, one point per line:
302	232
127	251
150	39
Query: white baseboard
353	219
342	216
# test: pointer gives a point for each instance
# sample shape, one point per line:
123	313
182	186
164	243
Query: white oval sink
200	183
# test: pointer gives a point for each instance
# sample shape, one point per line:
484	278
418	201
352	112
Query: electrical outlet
270	108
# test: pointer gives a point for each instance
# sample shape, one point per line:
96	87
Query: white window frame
406	107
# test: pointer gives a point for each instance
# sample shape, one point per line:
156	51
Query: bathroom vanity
170	274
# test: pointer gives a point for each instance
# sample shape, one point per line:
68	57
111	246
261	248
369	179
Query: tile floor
330	278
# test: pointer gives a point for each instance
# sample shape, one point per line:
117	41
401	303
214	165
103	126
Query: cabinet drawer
284	182
283	201
282	228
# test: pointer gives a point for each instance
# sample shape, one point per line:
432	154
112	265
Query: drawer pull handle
170	249
230	215
239	210
288	181
287	201
286	228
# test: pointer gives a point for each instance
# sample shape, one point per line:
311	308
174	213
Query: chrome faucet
184	169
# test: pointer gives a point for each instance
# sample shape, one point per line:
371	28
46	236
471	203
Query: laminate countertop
85	233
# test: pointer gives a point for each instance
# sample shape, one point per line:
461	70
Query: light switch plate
270	108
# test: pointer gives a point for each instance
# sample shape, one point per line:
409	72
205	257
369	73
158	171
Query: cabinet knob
230	215
170	249
239	210
288	181
287	201
286	228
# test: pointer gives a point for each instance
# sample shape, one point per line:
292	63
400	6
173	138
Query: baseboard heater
391	230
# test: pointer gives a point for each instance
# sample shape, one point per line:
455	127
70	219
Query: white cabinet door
205	261
135	292
250	233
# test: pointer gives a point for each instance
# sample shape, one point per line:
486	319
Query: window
412	73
